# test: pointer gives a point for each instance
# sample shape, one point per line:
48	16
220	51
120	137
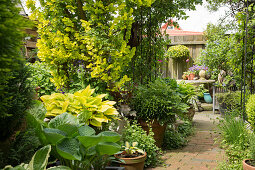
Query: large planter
157	129
246	166
136	163
207	98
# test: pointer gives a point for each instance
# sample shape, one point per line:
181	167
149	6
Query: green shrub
158	100
22	149
19	96
15	92
175	138
178	52
230	101
250	110
11	35
134	133
40	77
187	92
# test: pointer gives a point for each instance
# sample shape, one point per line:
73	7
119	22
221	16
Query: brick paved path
201	153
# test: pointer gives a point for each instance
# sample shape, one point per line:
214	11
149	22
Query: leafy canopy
93	32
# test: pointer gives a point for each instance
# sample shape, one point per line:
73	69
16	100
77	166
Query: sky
199	18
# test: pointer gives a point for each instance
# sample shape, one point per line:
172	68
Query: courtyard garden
94	96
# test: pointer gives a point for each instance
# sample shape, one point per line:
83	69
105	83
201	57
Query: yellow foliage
88	108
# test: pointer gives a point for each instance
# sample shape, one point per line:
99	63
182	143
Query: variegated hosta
88	108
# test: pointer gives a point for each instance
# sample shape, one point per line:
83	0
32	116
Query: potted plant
194	71
185	75
157	104
249	164
188	95
132	158
178	52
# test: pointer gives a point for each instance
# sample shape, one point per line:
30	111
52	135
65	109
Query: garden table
198	82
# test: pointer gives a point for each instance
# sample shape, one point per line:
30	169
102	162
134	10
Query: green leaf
108	136
64	118
40	159
54	135
89	141
59	168
86	131
84	116
69	149
69	129
108	148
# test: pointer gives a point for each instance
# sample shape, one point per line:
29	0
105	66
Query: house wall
174	69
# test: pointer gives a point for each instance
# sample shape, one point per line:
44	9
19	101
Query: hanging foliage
178	52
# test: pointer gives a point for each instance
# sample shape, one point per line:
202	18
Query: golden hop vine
95	32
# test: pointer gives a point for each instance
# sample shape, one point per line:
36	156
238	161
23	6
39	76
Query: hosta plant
89	108
38	162
132	149
76	145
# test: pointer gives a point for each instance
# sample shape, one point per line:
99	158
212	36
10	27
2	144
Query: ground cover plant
176	135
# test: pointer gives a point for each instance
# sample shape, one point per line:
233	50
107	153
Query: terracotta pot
247	166
136	163
157	129
191	76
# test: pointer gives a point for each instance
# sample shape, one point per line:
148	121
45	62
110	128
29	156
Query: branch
80	10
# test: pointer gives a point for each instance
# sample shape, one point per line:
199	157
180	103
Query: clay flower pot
157	129
136	163
191	76
246	166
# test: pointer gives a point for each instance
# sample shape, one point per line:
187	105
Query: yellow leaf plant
88	108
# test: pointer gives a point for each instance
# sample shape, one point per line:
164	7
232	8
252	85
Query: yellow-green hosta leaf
96	102
65	105
101	96
95	123
107	102
45	98
111	111
57	111
50	114
104	108
87	91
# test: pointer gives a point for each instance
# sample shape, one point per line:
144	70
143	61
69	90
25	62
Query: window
170	27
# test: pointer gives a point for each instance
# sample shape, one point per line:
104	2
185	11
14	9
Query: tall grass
234	132
235	139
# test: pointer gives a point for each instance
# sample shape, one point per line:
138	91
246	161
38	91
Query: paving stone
201	153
